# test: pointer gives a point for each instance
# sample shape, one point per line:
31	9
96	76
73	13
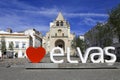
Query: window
11	45
23	45
16	44
62	34
59	30
61	23
57	23
23	54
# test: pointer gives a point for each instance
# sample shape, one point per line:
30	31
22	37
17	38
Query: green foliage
114	19
79	43
3	45
11	46
101	35
73	43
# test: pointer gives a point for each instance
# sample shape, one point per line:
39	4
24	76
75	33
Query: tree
114	20
79	43
100	34
104	35
73	43
10	54
3	46
11	46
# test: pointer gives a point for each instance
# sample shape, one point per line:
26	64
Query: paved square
58	74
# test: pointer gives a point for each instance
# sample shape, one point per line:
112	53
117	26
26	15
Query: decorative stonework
59	35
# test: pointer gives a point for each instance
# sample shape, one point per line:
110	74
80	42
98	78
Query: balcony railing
59	36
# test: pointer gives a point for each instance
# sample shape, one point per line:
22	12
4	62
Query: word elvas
84	57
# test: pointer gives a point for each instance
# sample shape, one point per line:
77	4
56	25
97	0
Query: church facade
59	35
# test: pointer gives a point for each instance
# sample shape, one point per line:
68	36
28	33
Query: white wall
21	40
16	37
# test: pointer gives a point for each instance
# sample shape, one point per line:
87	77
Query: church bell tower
59	34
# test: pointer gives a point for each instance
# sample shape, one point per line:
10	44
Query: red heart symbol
35	55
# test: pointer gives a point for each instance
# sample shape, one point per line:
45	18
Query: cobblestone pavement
20	73
9	62
58	74
22	61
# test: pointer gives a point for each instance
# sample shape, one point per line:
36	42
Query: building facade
20	41
59	35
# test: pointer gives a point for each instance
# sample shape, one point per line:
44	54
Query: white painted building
21	41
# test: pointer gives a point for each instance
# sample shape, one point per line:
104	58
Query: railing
59	36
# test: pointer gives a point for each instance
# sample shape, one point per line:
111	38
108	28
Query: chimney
9	30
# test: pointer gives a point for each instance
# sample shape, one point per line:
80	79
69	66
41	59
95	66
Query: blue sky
81	14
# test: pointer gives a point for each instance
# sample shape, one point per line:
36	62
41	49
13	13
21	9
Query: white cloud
22	16
54	11
86	15
89	21
41	12
78	32
18	23
26	8
17	4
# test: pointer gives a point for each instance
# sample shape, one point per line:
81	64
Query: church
59	35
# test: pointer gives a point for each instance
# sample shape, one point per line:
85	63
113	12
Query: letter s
113	56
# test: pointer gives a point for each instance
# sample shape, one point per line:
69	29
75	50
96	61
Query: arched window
59	30
57	23
61	23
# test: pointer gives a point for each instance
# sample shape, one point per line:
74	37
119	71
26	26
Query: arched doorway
60	43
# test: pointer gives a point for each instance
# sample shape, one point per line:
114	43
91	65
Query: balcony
59	36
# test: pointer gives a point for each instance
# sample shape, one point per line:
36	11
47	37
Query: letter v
83	58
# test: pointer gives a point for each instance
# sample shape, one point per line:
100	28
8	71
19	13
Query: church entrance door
60	43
